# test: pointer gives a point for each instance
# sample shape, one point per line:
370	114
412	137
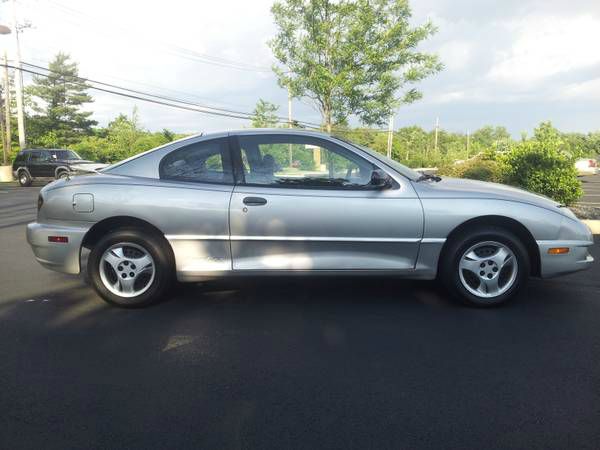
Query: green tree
489	137
57	101
541	165
264	114
351	57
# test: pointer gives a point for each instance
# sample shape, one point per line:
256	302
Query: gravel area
586	212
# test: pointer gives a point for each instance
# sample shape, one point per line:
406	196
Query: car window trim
240	177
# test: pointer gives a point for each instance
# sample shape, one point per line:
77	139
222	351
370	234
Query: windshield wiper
427	176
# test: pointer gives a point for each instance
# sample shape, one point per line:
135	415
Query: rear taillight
592	163
40	201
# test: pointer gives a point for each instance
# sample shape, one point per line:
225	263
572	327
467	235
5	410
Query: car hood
87	166
463	188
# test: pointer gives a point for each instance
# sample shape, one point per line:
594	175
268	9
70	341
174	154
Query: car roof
48	149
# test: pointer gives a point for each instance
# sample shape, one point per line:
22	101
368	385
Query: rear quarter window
21	157
200	162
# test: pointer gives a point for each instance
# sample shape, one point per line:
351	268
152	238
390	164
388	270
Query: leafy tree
351	57
490	136
122	138
540	165
57	101
264	114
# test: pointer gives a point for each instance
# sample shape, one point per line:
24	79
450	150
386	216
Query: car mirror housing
380	179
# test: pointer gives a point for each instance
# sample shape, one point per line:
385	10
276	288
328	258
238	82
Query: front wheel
485	267
131	268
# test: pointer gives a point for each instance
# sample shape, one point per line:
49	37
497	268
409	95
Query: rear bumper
61	257
577	259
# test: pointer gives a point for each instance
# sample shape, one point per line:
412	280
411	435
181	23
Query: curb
594	225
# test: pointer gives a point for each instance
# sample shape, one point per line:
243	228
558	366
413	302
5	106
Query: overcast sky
510	62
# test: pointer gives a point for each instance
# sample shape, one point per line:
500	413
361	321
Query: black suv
31	164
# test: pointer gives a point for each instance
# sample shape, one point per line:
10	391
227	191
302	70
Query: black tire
458	245
24	178
62	174
158	249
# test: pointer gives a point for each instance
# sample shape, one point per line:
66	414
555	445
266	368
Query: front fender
444	215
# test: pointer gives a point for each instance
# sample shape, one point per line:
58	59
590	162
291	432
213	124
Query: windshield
65	154
400	168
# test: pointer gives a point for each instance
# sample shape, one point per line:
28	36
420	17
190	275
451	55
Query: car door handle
255	201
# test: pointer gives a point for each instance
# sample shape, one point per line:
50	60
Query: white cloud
545	46
587	90
456	55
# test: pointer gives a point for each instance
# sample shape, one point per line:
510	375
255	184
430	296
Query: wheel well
509	224
60	170
20	169
106	226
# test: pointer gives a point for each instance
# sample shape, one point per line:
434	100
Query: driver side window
303	162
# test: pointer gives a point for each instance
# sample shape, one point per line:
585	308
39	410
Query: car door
303	202
36	163
197	182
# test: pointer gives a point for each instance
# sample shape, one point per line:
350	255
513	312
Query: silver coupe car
287	201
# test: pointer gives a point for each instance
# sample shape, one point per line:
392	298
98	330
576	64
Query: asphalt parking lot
284	364
591	188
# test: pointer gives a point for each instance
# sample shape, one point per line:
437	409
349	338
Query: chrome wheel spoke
112	259
143	263
471	262
126	285
501	256
489	286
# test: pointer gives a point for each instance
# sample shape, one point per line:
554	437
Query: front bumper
577	259
61	257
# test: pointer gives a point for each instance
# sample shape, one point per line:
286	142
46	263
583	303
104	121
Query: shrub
539	166
475	169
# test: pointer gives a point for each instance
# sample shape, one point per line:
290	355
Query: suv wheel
131	268
62	175
24	178
485	267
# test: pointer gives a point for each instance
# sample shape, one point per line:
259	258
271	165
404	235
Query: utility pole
290	155
437	129
19	82
390	135
8	136
468	143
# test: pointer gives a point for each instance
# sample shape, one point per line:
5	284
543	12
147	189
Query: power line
152	98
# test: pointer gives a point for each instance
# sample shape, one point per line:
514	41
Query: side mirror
380	179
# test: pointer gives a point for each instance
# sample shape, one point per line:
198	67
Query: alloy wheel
127	269
488	269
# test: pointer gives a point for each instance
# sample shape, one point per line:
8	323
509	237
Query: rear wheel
485	267
24	178
62	175
131	268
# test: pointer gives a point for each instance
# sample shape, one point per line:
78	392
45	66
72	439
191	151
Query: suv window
22	157
64	155
303	162
39	156
201	162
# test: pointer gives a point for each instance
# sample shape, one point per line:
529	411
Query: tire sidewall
27	178
453	256
162	262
